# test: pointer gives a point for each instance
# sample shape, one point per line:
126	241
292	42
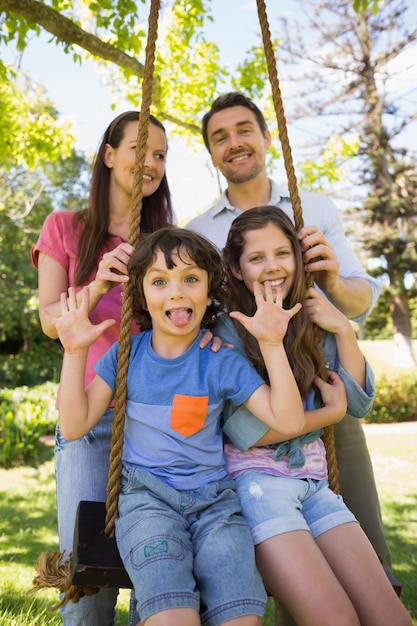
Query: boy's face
176	299
237	145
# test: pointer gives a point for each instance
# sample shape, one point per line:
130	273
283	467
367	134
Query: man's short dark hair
226	101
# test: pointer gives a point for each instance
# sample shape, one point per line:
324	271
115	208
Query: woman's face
267	255
121	160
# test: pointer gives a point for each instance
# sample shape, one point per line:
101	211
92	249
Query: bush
32	367
396	398
25	416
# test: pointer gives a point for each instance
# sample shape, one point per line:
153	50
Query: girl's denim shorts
273	505
187	548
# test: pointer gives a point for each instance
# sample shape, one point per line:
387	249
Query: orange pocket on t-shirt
188	414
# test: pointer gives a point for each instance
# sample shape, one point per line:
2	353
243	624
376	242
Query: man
236	135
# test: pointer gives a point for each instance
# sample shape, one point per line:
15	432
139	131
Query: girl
180	534
313	556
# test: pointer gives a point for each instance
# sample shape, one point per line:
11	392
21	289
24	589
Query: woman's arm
53	281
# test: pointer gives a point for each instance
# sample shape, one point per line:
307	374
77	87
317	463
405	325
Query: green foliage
396	398
25	415
319	173
30	132
379	323
40	364
362	5
31	196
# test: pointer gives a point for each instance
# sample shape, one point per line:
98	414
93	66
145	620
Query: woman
89	247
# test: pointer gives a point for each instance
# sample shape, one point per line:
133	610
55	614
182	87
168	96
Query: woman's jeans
81	472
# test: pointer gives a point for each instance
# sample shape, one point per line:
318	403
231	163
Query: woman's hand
112	269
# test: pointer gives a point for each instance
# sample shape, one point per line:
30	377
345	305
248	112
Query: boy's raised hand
270	322
74	328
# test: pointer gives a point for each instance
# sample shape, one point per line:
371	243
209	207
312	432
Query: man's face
237	144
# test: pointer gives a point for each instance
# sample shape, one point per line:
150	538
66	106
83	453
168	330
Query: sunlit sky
80	96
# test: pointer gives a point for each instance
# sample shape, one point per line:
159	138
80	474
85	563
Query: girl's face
176	299
267	255
121	160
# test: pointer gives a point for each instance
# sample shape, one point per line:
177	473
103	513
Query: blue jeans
273	505
187	548
81	472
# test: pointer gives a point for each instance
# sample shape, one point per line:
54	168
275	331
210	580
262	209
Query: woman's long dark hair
156	208
305	356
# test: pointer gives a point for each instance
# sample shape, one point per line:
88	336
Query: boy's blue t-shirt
174	407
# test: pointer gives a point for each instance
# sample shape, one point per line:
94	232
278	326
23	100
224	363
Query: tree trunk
403	350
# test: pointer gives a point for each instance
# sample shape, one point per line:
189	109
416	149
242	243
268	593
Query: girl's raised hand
270	322
74	328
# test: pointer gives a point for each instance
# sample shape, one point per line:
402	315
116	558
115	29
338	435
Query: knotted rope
126	319
328	436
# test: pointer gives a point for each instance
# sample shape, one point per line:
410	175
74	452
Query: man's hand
319	258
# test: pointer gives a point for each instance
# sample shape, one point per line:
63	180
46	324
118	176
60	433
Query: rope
54	569
295	201
126	319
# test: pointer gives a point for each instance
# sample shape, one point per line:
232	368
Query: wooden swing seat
95	558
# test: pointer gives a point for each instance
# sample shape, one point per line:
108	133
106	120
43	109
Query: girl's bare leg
189	617
173	617
296	573
353	560
245	620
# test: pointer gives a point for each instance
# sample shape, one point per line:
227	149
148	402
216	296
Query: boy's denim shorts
273	505
187	548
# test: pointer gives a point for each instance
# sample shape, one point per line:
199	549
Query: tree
187	68
30	131
64	185
340	72
113	31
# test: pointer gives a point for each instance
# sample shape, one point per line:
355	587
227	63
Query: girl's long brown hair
305	356
156	209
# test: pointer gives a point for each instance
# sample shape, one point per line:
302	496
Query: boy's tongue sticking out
179	317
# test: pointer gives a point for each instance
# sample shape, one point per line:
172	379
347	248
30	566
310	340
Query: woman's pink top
59	240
